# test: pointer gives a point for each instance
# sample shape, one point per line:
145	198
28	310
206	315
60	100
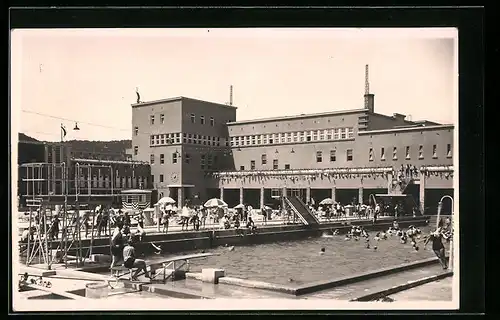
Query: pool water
298	262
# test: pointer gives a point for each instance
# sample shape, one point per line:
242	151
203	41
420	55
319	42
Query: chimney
231	95
370	102
399	116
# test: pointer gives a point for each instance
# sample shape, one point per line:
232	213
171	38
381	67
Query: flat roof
135	191
300	116
108	161
406	129
149	103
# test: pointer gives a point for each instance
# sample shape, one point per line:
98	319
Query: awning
394	195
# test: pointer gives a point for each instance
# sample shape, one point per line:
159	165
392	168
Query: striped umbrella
327	201
166	200
215	203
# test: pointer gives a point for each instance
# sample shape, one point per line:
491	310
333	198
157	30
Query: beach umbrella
166	200
327	201
240	206
214	202
168	207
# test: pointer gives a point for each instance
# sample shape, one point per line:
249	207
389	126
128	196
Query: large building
54	170
197	150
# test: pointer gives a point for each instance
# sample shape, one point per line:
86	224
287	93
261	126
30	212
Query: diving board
167	267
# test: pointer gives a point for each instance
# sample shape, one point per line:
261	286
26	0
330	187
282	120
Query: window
187	158
343	133
136	150
287	167
434	152
162	139
448	150
336	134
263	159
209	162
202	119
275	164
193	118
308	136
174	157
136	131
152	119
407	156
333	155
152	159
370	154
162	118
161	178
162	158
152	178
319	156
382	154
152	140
202	161
252	164
421	152
275	193
394	153
242	168
212	121
349	154
350	133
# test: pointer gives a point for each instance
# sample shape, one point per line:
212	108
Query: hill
109	147
25	138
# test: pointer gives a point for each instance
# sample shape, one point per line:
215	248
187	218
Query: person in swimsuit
437	246
129	258
117	243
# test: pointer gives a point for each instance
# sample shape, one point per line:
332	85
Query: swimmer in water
322	251
231	248
374	248
336	232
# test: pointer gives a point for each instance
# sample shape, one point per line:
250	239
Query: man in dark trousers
129	258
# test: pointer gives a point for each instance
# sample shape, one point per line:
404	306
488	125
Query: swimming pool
299	262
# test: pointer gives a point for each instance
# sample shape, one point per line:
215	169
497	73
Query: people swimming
322	251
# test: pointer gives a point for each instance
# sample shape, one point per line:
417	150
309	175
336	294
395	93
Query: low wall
197	240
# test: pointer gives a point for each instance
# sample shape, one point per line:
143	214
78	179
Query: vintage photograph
245	168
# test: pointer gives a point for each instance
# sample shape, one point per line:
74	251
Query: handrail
297	213
308	210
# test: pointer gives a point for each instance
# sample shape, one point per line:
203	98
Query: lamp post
440	206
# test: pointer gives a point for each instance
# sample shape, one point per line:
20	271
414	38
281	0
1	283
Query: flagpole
61	132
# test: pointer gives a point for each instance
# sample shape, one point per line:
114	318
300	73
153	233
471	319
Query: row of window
407	152
105	182
189	138
152	119
297	136
207	161
349	156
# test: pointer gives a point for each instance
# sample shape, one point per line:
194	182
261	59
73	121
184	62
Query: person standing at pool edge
438	246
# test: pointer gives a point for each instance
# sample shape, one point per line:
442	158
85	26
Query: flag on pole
138	95
63	132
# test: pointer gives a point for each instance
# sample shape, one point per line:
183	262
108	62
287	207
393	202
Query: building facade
197	149
182	139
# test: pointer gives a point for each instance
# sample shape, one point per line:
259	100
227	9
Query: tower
369	98
231	95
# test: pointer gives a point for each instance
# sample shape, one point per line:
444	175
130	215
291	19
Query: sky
90	76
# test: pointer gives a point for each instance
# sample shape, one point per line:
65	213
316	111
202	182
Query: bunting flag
138	95
63	131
